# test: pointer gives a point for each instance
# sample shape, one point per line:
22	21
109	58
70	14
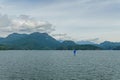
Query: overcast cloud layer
80	19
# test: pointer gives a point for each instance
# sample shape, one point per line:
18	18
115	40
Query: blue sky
64	19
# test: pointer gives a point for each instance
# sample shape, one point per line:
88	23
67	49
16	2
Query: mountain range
43	41
29	41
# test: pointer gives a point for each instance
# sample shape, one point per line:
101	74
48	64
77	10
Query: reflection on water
59	65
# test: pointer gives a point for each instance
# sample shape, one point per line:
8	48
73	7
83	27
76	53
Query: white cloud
4	21
24	24
62	36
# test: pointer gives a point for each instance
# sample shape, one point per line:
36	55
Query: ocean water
59	65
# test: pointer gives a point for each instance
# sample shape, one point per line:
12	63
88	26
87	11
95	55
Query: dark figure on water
74	52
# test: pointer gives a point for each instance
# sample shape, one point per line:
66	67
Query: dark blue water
59	65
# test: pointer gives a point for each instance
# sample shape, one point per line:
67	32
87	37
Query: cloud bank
24	24
62	36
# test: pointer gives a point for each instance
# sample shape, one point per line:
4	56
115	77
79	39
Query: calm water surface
59	65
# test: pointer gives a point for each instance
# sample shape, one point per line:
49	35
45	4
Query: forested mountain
43	41
107	45
30	42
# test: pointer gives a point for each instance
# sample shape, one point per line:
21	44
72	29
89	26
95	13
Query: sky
88	20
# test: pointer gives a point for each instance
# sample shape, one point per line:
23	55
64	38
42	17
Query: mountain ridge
43	41
31	41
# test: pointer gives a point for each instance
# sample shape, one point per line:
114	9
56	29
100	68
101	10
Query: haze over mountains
43	41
